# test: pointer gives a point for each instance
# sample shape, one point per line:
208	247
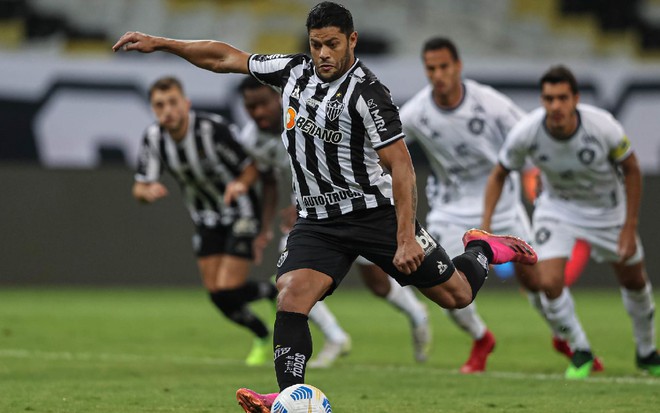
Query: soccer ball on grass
301	398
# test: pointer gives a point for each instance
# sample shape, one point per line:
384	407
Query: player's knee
299	293
228	302
462	298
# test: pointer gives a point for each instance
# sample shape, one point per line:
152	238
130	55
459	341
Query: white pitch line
510	375
118	357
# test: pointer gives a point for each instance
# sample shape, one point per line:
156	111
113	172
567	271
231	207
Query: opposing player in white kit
591	189
261	137
461	125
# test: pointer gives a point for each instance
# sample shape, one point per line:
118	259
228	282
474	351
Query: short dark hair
165	83
559	74
327	14
249	83
437	43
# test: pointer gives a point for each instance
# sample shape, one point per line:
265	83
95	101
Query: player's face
171	108
332	52
560	105
444	74
264	106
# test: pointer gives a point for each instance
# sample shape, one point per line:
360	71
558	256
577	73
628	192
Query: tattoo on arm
414	202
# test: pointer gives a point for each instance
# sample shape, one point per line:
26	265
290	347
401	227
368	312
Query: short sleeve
379	115
514	150
273	69
617	141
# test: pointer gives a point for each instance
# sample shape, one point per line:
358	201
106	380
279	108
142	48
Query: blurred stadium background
72	113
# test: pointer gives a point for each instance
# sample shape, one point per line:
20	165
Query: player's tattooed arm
414	203
395	157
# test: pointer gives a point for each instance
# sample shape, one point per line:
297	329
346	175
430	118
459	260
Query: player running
592	191
214	174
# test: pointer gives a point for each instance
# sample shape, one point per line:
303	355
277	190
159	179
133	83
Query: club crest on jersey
333	109
476	125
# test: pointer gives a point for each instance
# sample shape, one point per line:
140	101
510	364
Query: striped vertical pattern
203	163
332	133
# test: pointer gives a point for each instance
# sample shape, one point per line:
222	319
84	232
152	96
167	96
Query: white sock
468	320
404	299
539	301
640	307
327	323
560	314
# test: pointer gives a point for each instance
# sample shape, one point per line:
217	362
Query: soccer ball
301	398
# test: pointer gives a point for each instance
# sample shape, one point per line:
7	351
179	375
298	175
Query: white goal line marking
130	358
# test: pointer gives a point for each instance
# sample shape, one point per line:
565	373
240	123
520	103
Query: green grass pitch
167	350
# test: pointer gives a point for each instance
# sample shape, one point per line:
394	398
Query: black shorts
331	245
224	239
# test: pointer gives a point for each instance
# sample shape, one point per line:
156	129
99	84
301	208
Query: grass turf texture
165	350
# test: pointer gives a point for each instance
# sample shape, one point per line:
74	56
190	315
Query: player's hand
259	244
288	217
234	190
408	257
136	41
627	243
150	192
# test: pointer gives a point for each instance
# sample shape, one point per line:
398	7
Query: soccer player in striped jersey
341	130
214	174
261	139
460	125
591	190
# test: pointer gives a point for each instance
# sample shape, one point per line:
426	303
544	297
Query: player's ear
352	40
188	104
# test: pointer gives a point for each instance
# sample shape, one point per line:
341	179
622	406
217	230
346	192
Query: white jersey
462	146
266	149
581	180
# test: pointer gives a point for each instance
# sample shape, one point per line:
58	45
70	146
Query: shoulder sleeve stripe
389	141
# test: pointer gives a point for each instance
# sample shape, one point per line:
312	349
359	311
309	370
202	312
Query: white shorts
450	235
555	239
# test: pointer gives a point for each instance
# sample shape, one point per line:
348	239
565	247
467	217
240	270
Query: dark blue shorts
331	245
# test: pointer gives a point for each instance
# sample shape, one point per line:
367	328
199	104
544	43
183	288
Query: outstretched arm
208	54
395	157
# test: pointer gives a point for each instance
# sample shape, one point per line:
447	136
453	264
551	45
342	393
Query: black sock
481	246
232	304
292	345
256	290
474	264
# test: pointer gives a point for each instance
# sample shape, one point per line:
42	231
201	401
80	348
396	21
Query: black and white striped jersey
203	163
332	131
